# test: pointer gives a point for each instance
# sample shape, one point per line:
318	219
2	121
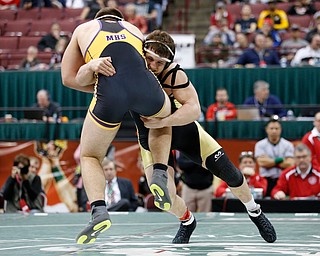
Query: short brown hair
162	41
109	11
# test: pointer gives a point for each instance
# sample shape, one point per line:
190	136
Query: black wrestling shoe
160	190
96	226
264	226
185	231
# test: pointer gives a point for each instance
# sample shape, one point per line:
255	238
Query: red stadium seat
45	57
17	28
26	41
69	13
9	42
67	26
258	8
302	21
33	14
284	6
40	27
8	14
51	14
234	9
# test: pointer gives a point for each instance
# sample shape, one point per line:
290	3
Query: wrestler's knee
221	166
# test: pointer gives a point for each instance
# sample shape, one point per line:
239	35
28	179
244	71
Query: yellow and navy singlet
133	87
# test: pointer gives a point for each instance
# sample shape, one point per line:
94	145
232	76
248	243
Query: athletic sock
98	207
159	166
251	205
187	218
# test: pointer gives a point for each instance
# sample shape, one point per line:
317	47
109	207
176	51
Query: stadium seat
67	26
234	9
284	6
302	21
40	27
9	42
51	14
17	28
33	14
45	57
257	9
26	41
69	13
8	14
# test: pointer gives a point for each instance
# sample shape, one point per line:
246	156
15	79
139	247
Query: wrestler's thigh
95	140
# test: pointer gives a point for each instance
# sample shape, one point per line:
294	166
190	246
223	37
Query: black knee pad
219	164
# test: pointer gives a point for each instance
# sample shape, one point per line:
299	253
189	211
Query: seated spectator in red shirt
9	4
301	180
219	13
137	20
247	166
312	140
222	108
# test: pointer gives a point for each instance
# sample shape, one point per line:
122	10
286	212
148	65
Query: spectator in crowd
137	20
279	17
301	7
268	30
267	103
312	140
247	165
222	109
219	13
22	190
216	52
31	61
91	8
292	44
119	191
147	9
240	45
55	61
309	55
301	180
51	110
49	41
197	187
227	35
273	154
259	55
9	4
51	173
247	23
315	28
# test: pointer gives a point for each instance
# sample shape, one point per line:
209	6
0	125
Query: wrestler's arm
71	62
188	112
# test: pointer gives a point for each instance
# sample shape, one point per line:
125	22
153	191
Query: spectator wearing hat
292	44
279	17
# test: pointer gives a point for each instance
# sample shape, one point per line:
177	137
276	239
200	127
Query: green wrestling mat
138	234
